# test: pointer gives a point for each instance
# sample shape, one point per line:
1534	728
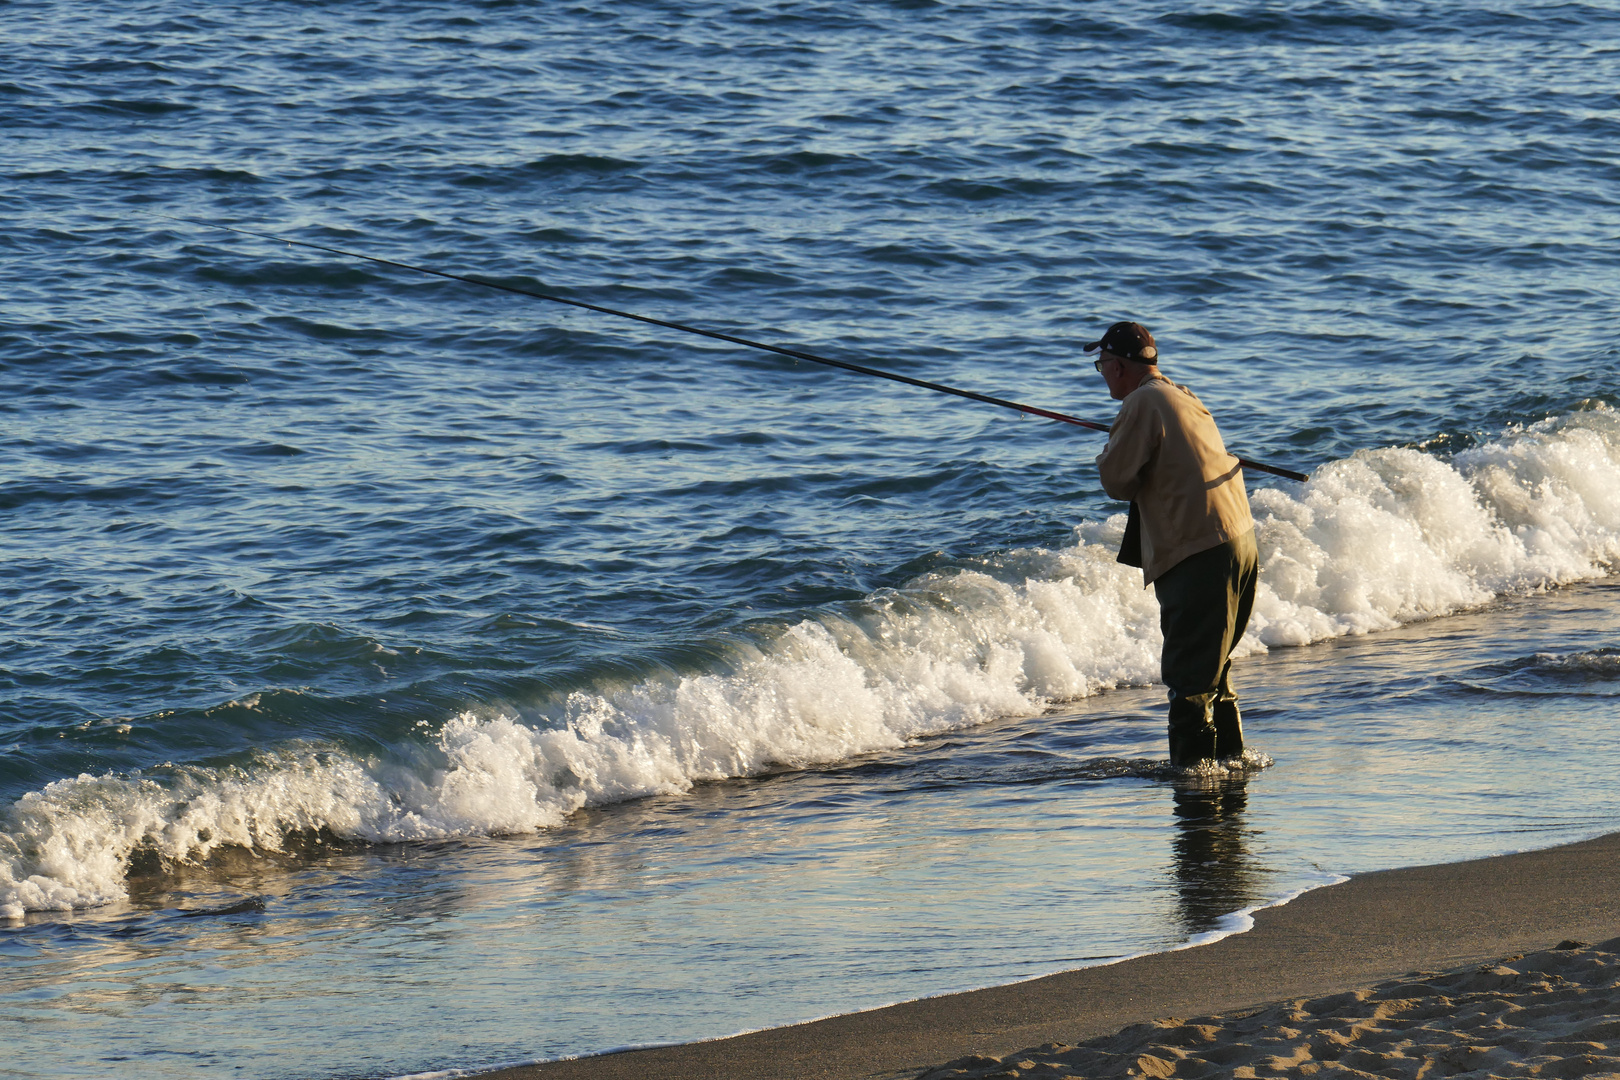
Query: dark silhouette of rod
859	369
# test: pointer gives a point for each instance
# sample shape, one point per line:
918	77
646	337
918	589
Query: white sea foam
1390	536
1383	538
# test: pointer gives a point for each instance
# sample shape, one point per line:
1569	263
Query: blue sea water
402	676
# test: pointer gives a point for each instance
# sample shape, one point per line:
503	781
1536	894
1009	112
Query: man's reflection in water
1215	874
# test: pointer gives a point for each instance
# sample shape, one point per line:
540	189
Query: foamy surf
1391	536
1380	539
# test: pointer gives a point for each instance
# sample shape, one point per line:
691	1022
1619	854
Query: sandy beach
1551	1013
1504	966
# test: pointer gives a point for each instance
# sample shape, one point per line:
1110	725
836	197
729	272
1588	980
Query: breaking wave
1380	539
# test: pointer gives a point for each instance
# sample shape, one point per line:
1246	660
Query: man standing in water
1190	532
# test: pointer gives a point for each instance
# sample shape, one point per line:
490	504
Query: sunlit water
465	680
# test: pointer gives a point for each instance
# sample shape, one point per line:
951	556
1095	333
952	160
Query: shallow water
1009	850
530	683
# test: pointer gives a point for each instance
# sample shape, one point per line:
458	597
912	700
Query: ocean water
400	676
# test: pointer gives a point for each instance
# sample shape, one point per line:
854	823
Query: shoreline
1354	934
1550	1013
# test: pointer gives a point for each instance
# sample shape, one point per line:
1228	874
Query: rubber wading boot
1192	732
1228	729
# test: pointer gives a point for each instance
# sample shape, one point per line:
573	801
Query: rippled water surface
471	679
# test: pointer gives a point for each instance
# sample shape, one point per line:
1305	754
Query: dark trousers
1204	606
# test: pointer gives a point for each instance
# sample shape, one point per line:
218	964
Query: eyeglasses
1098	363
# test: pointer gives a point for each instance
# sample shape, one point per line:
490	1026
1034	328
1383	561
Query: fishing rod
796	354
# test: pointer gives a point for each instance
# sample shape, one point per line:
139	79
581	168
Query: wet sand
1551	1013
1393	927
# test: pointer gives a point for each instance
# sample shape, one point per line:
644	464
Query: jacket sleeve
1132	443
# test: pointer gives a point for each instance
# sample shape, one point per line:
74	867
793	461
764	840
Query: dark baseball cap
1130	340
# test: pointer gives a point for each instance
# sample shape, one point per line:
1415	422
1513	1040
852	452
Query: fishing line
941	388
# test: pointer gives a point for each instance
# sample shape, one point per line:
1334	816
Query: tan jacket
1165	454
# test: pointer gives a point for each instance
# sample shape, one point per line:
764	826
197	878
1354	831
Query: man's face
1113	370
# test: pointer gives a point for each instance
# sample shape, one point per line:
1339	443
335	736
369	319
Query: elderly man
1190	532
